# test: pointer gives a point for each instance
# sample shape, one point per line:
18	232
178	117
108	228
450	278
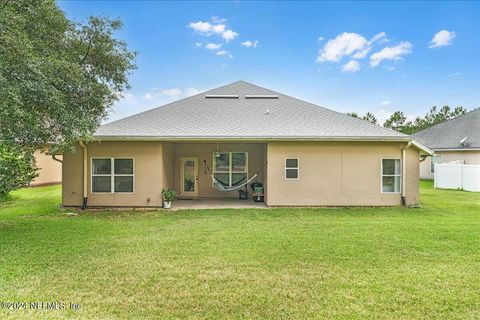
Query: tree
370	117
396	121
353	114
58	78
17	168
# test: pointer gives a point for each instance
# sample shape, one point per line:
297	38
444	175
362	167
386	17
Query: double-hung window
230	168
391	175
112	175
292	168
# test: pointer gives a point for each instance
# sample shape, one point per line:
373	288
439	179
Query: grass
388	263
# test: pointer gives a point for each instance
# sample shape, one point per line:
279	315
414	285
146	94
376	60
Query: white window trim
390	175
230	172
112	175
297	167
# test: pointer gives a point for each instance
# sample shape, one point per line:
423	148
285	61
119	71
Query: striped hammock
220	186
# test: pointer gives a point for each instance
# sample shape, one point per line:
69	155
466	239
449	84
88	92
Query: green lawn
389	263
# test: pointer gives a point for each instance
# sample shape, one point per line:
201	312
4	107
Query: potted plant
168	198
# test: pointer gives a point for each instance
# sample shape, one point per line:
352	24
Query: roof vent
261	96
221	96
463	142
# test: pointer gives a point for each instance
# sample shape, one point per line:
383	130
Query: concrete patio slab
211	203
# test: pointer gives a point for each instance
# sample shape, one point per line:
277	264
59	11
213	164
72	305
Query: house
49	169
456	139
303	154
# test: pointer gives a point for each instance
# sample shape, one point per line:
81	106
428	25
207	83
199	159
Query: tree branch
88	49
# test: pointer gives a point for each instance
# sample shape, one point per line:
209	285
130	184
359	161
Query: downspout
54	157
404	173
85	175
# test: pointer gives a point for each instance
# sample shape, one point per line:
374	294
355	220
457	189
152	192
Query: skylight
221	96
261	96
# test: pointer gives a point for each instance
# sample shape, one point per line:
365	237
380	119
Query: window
118	180
391	175
230	168
291	169
435	159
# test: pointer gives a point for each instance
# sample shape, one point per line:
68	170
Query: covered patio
216	203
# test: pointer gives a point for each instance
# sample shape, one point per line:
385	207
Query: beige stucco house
303	154
457	139
49	169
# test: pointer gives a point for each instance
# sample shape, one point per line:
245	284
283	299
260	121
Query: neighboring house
303	154
456	139
49	170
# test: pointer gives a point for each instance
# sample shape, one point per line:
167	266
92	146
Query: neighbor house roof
461	133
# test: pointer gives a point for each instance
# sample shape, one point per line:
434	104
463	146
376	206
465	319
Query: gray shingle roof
449	134
199	117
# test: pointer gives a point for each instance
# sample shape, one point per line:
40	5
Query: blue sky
347	56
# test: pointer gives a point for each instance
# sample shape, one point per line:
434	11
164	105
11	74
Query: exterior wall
148	180
168	165
337	174
331	173
50	171
470	157
72	182
204	151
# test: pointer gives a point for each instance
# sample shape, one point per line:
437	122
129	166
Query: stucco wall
335	174
470	157
204	151
168	165
148	174
50	171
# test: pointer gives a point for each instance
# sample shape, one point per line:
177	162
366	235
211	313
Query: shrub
17	167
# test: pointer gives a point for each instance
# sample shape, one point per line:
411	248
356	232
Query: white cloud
218	20
173	93
351	66
201	27
442	38
213	46
343	45
148	96
198	44
170	93
217	27
391	53
229	35
349	44
192	91
321	38
361	54
224	53
379	37
386	102
455	74
250	44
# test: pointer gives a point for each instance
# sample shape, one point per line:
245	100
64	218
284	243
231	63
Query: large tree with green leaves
58	78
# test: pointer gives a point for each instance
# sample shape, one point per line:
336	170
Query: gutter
85	175
257	139
404	173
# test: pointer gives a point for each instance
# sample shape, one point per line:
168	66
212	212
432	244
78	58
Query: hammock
220	186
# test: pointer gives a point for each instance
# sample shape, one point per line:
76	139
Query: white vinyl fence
457	176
